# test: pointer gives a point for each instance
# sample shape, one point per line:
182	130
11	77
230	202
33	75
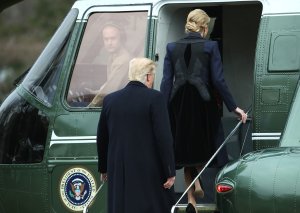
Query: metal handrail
85	209
210	160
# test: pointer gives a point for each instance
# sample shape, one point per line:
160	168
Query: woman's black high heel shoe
190	209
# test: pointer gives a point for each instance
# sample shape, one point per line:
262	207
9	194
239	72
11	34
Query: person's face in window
111	38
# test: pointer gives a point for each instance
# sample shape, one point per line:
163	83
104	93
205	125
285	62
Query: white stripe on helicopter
92	139
266	136
71	139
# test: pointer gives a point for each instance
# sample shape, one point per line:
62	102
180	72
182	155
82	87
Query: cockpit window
109	42
46	87
43	77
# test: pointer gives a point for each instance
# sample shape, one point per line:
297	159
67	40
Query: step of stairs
209	207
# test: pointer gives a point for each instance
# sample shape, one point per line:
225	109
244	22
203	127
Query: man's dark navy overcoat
135	149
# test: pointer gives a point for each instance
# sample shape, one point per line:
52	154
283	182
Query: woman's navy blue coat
194	144
216	77
135	149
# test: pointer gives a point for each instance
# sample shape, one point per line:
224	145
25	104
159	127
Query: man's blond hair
139	68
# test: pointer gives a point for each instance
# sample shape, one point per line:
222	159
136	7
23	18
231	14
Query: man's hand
103	177
169	183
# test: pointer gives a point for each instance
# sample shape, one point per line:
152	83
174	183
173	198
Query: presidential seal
77	187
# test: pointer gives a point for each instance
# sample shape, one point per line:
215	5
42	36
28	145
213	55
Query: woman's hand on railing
241	114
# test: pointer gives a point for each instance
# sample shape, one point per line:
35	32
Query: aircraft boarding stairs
207	208
205	204
236	146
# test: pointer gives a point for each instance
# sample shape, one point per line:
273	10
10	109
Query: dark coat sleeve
102	141
217	76
168	75
163	135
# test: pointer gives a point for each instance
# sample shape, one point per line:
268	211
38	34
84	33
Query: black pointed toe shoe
190	208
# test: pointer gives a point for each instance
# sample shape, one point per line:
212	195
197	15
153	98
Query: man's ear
147	78
147	83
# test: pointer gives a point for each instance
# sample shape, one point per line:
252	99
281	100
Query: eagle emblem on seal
78	191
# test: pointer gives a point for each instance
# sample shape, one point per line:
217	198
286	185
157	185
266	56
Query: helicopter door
237	48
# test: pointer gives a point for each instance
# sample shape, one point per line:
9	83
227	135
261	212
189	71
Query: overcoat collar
136	83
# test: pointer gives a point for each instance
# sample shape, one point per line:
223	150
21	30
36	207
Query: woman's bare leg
188	180
198	188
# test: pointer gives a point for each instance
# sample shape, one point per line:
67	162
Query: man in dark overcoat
135	147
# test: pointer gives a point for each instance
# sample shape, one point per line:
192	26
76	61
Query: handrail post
85	209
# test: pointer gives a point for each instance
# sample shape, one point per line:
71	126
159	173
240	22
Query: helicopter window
109	42
45	90
42	79
24	132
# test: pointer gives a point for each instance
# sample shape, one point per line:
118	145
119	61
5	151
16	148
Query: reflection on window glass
43	77
45	91
110	41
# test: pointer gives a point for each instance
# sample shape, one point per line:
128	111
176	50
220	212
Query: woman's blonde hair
139	68
196	21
